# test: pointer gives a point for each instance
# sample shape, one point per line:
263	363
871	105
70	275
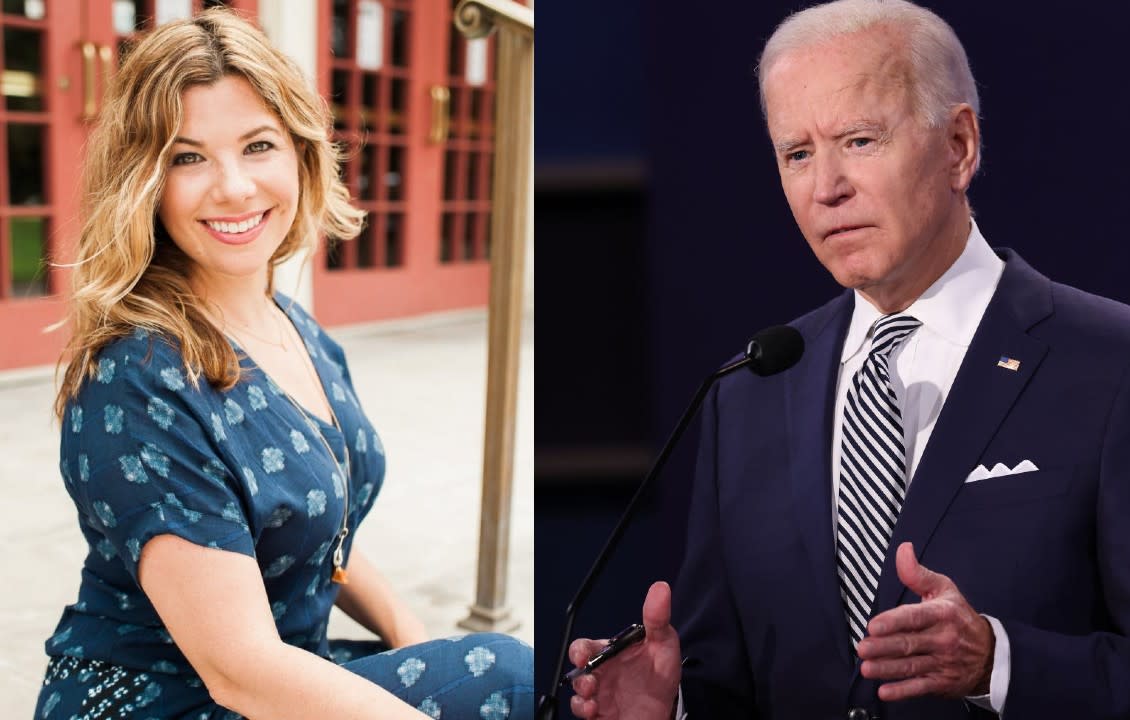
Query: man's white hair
940	77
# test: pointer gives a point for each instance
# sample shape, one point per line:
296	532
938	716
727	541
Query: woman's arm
371	601
215	607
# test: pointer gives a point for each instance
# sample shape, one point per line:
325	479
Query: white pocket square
999	470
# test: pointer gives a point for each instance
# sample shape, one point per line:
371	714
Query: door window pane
450	161
22	69
455	54
396	116
486	237
399	38
339	39
393	239
365	255
446	240
29	257
469	237
473	176
370	100
365	178
394	178
339	98
25	164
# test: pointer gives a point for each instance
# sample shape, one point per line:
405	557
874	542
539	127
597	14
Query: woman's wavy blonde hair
128	273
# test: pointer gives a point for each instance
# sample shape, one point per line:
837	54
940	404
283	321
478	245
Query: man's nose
233	183
831	183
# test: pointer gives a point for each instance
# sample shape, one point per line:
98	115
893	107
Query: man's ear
963	139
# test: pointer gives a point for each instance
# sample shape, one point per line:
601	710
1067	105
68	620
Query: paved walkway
422	382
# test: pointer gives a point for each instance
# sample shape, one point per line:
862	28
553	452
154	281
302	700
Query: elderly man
927	516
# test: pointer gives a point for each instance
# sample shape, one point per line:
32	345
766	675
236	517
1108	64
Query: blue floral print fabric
144	453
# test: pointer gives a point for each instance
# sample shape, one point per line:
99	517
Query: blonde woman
211	439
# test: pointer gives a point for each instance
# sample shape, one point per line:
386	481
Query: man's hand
940	646
642	682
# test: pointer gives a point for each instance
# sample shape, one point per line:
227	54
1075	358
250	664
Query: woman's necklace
245	330
339	574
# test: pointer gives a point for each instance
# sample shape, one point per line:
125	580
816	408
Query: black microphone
773	350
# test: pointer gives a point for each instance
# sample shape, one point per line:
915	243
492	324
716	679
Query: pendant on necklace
340	577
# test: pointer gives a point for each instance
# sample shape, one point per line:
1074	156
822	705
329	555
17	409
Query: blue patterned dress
143	453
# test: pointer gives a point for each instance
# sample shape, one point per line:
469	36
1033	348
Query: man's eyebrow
861	126
784	146
789	144
245	136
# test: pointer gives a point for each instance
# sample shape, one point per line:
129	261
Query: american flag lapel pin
1008	363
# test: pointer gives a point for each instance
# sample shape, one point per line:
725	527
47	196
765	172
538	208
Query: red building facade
413	106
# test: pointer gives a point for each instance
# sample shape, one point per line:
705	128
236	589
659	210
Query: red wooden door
379	64
55	58
40	138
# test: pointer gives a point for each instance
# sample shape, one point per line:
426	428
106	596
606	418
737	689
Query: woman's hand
370	600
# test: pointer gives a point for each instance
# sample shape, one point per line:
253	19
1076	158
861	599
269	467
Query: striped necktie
872	473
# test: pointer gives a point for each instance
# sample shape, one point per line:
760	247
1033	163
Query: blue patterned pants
485	675
482	676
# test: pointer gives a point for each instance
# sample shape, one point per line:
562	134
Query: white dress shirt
923	366
922	370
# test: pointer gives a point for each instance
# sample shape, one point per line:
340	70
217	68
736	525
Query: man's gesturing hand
940	646
642	682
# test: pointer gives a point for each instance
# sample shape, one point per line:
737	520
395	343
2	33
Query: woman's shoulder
140	363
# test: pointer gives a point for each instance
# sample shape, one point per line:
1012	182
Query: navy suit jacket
757	604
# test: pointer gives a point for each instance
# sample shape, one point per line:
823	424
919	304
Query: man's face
878	196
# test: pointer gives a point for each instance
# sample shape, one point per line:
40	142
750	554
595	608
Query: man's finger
582	649
585	685
581	707
903	619
657	610
900	645
899	668
906	689
923	581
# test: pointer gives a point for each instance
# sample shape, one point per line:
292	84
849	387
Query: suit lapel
810	399
980	399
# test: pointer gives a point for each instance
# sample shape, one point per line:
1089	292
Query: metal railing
509	228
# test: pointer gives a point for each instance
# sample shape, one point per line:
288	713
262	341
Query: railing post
510	211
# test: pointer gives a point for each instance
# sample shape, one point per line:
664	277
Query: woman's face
232	191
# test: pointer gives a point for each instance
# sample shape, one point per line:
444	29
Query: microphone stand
547	707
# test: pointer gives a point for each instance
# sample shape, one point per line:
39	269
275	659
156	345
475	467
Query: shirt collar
951	308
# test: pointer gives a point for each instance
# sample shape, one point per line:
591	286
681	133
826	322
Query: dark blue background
664	241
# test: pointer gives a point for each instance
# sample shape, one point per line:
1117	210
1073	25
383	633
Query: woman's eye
188	158
260	146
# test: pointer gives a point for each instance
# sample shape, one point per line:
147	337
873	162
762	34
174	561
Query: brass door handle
89	101
91	53
441	116
107	65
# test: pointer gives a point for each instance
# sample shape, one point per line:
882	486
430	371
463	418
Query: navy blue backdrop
664	241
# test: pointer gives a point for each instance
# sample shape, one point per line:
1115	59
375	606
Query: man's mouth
842	230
